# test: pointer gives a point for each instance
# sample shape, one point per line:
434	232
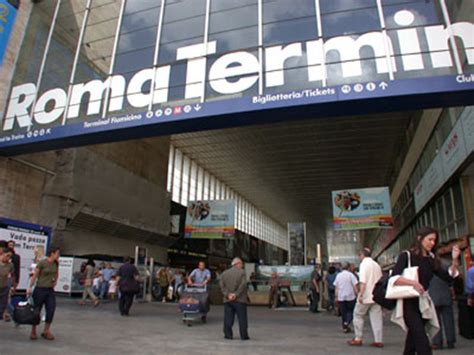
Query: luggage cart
194	304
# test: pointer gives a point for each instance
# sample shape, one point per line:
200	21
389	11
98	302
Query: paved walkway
157	329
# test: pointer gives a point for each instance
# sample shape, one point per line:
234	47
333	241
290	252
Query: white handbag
400	292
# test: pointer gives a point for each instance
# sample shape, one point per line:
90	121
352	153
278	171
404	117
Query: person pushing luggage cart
195	299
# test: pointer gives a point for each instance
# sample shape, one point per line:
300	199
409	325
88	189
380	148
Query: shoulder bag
401	292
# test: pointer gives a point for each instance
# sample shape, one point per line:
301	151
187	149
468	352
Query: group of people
99	284
351	291
434	306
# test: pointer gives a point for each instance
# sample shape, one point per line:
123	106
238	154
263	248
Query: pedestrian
273	292
346	291
127	279
253	280
163	278
178	284
233	284
441	293
200	276
88	284
315	288
44	280
107	273
7	273
330	278
421	255
369	274
16	261
112	289
470	285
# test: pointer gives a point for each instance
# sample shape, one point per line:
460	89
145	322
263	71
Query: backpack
379	292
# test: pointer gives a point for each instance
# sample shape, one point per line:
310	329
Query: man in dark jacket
442	296
233	284
16	261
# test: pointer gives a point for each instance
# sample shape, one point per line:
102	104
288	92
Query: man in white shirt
346	291
369	273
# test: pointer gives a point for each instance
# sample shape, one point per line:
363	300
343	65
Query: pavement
155	328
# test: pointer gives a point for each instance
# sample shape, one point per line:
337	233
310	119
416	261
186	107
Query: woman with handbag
127	279
45	278
420	255
88	283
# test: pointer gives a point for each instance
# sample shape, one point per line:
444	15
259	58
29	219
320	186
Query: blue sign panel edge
342	100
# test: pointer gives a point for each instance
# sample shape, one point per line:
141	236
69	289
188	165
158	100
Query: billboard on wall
294	273
459	144
27	237
7	19
210	219
362	209
410	64
297	243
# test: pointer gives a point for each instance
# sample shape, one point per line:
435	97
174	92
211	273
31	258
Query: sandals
33	337
47	336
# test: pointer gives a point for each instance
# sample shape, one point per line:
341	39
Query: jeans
446	323
125	302
4	291
417	341
347	310
314	301
104	288
45	296
230	309
332	297
376	320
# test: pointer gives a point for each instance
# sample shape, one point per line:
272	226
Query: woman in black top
421	253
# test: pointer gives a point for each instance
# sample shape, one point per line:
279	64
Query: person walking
273	292
428	264
16	261
88	283
369	274
233	284
127	279
164	280
330	278
7	272
44	280
442	295
346	291
315	288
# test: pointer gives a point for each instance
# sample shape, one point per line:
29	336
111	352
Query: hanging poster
297	243
210	219
362	209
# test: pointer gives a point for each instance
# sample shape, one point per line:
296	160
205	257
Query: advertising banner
210	219
453	152
27	237
65	271
291	273
70	273
362	209
7	19
297	243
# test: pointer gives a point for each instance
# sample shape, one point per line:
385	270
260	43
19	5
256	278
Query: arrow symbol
197	107
383	85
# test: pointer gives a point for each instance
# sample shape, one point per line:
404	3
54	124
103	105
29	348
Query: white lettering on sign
233	73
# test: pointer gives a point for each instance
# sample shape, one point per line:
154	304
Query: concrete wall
123	182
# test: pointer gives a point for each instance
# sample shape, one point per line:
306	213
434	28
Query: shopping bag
26	313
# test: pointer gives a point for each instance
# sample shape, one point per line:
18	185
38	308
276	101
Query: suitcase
25	313
466	319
